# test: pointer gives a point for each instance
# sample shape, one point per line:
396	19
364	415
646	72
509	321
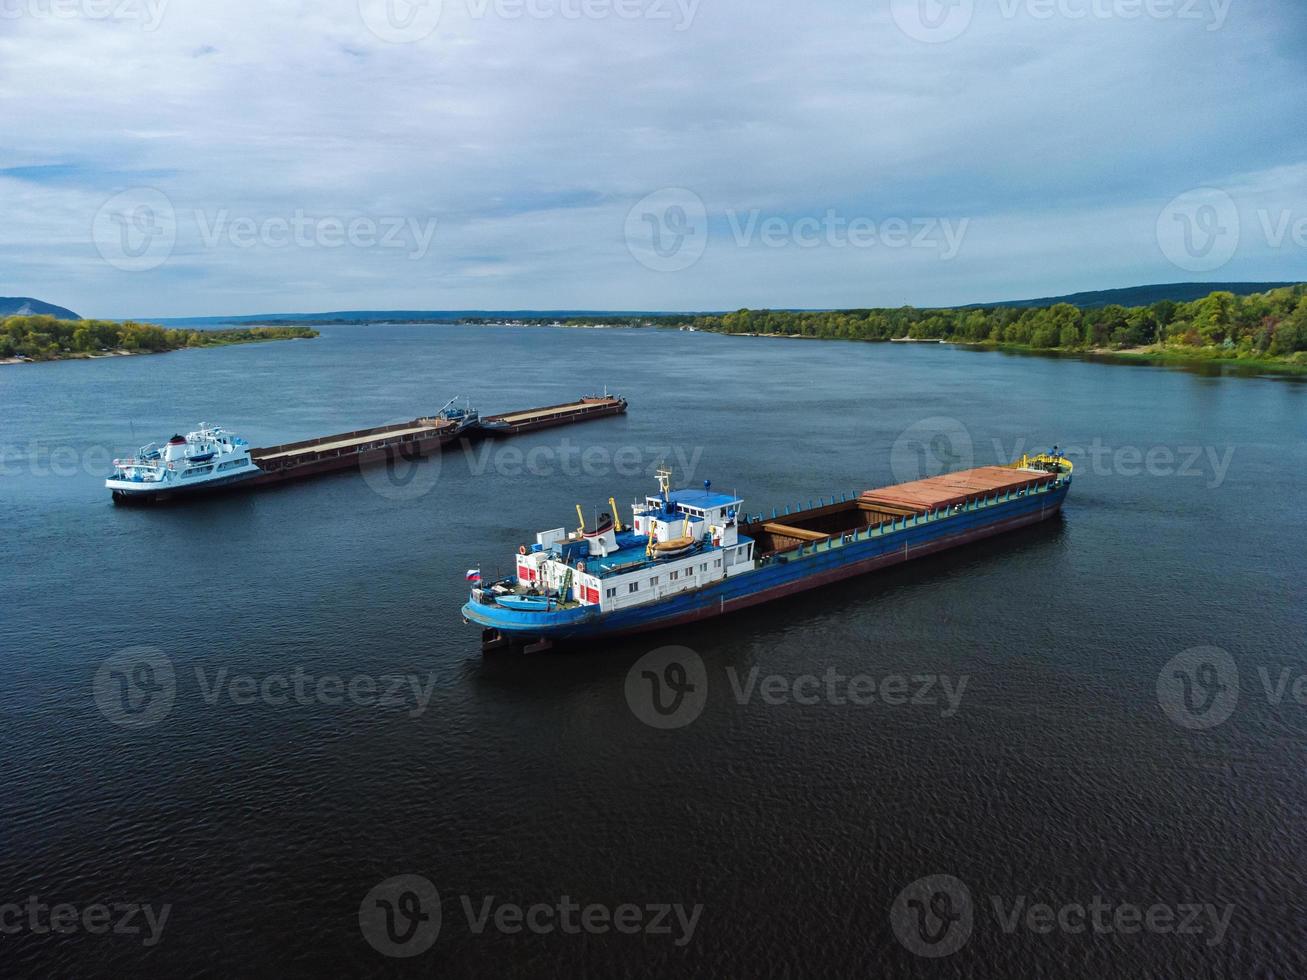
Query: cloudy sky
191	157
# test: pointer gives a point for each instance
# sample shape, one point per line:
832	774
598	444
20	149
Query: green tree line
1262	325
46	338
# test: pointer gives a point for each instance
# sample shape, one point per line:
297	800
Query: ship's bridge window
633	587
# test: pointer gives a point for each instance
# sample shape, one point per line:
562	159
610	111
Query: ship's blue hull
776	579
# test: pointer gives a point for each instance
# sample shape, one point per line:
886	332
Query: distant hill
26	306
1179	292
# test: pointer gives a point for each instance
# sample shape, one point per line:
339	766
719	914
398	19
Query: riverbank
1258	332
1199	357
33	339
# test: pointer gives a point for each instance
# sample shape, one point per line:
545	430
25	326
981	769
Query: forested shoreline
1270	326
45	338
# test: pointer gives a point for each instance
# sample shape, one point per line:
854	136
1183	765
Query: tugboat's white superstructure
203	459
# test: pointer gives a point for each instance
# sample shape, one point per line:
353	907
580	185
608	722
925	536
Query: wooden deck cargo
952	489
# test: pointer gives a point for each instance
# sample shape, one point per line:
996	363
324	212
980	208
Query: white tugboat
202	460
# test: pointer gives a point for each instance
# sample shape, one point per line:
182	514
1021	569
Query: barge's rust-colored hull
531	419
351	450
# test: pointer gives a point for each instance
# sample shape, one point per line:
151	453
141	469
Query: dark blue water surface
1072	769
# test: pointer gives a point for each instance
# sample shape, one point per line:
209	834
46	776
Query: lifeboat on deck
674	548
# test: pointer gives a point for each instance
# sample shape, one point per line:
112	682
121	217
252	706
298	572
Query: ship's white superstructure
679	541
202	459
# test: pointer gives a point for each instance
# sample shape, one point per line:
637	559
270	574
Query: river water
1101	714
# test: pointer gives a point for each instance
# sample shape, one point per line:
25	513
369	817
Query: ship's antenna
664	475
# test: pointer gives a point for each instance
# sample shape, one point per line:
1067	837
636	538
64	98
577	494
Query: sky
186	157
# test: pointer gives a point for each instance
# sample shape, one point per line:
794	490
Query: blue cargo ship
693	554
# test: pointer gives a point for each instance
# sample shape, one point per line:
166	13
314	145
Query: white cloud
529	139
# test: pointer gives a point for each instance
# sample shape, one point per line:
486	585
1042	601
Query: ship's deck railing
900	524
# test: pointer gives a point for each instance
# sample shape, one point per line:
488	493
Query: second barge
211	459
531	419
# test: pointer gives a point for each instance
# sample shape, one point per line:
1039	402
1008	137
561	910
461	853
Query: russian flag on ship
474	575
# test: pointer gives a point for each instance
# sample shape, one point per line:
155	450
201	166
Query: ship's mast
664	475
